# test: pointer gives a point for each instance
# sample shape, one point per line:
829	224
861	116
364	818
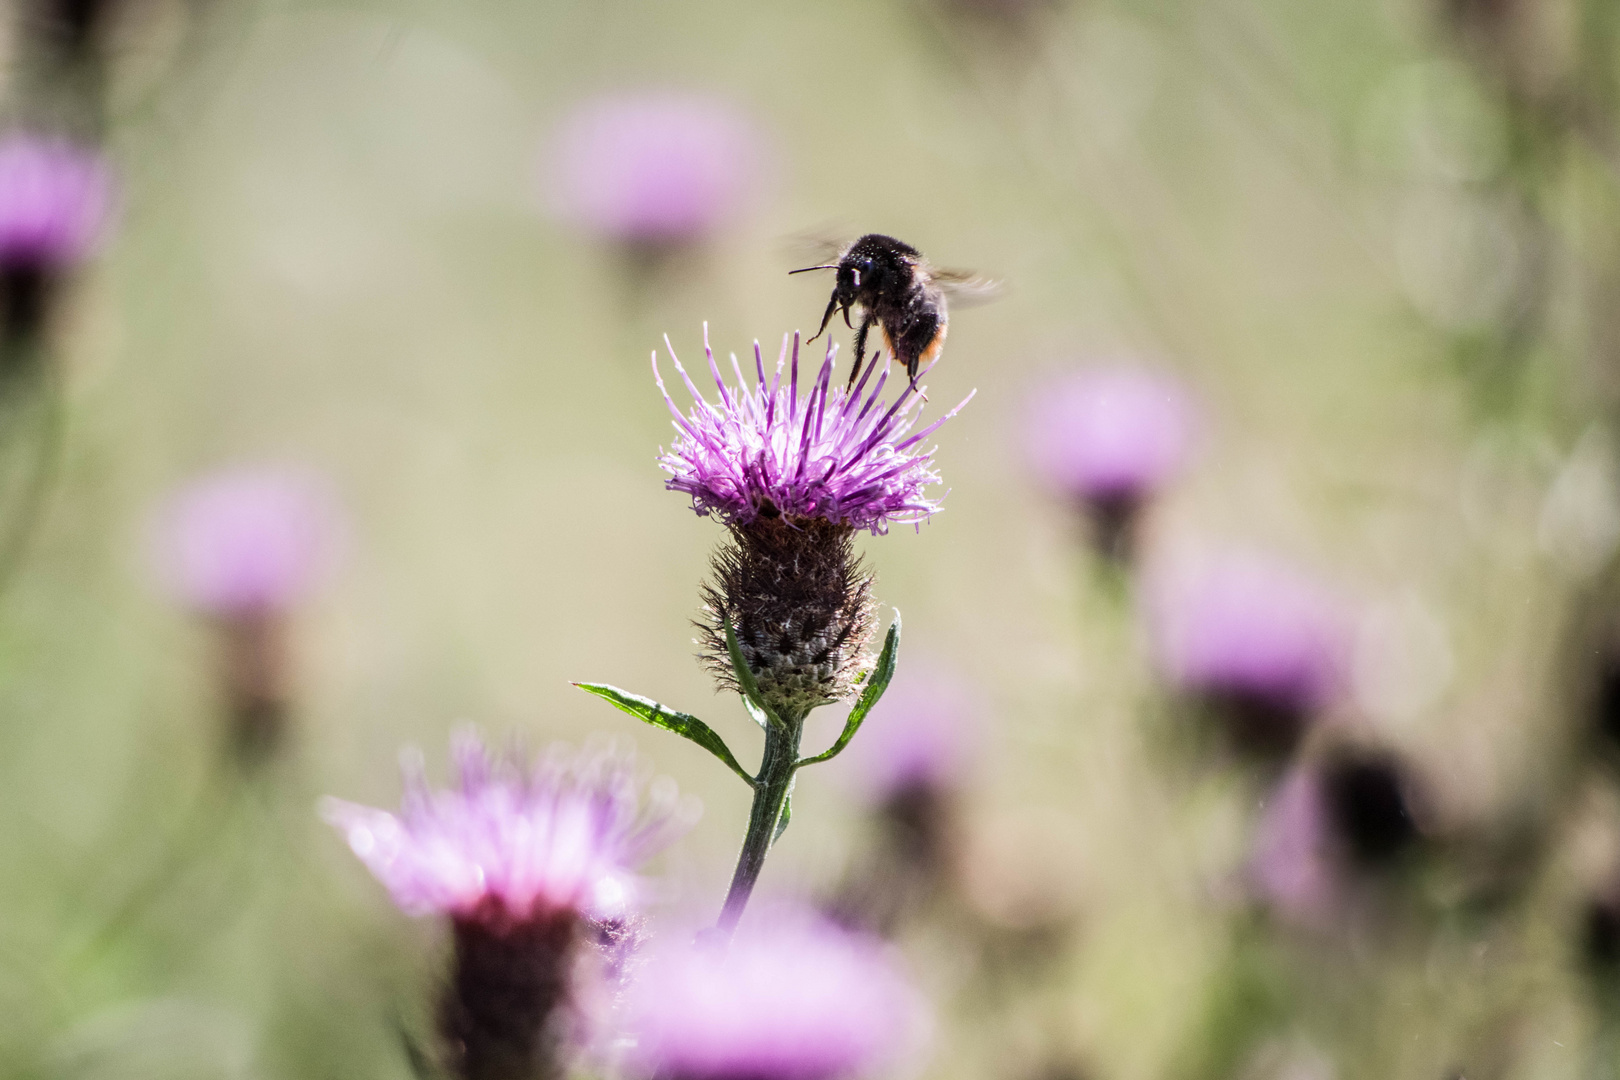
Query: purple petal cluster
248	540
1252	628
921	735
510	843
801	452
1293	866
794	999
658	167
1110	434
55	198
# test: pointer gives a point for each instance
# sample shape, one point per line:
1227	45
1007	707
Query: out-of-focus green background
334	250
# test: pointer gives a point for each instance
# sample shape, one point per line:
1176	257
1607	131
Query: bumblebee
900	293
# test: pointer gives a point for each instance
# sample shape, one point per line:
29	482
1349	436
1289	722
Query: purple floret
797	999
55	198
1293	867
1109	434
847	457
654	168
510	844
1252	628
923	735
248	540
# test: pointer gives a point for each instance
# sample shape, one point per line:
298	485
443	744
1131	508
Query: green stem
771	786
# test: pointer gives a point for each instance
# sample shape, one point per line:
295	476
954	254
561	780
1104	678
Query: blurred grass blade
882	675
761	712
683	724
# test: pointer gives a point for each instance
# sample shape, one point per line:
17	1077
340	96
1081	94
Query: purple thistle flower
909	764
522	860
1255	638
655	168
1110	433
55	199
1293	867
798	999
248	540
774	450
921	736
1110	439
1331	825
510	844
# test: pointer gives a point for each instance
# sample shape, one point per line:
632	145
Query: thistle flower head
247	540
920	736
805	1001
1255	637
1110	434
55	198
655	168
1293	868
511	844
1329	821
816	451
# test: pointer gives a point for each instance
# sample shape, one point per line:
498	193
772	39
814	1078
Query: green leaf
683	724
750	686
879	681
782	822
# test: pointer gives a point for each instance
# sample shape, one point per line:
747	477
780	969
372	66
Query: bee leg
832	306
860	347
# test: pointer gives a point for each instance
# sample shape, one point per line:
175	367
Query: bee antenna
807	269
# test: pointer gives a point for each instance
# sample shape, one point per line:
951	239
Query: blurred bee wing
823	244
968	289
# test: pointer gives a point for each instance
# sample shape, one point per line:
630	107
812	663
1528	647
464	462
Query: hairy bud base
801	605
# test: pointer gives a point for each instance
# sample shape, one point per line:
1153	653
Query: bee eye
857	276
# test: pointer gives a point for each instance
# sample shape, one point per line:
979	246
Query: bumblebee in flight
901	293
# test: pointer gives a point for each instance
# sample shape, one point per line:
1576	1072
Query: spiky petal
508	843
795	999
801	452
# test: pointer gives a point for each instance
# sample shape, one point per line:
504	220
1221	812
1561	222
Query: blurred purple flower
654	168
922	735
1256	636
511	844
1330	824
55	199
789	999
1110	434
1293	866
824	453
248	540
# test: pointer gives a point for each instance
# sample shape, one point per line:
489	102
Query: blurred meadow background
1379	243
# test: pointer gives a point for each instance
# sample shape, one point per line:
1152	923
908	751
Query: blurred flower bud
908	765
1600	937
69	27
654	170
243	546
1110	439
1330	824
923	734
791	998
55	200
1255	641
521	858
248	540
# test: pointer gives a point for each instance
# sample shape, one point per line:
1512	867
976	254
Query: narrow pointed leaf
879	681
782	822
745	679
683	724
